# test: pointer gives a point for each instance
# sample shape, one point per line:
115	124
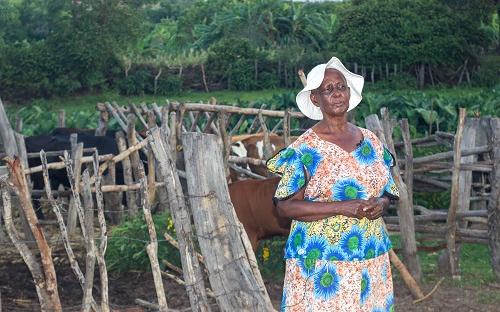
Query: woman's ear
314	98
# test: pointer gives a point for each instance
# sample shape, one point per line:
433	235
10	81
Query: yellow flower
265	253
170	223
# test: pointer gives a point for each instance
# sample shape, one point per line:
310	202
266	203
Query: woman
335	184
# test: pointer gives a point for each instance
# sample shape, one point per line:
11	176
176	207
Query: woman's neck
336	124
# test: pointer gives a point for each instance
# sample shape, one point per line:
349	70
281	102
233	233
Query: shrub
127	244
232	61
137	82
169	84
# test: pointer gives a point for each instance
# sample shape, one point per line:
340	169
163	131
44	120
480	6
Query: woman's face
332	96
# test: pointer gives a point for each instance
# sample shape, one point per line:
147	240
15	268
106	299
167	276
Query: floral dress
338	263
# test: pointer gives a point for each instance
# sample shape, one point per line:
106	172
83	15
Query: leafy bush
169	84
232	61
127	244
488	72
137	82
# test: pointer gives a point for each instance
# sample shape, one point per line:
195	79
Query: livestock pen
472	175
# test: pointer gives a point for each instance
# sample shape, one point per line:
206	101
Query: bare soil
18	291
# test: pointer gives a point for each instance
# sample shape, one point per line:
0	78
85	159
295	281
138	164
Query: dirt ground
18	291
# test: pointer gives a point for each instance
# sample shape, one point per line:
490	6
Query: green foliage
232	61
136	82
38	120
60	47
398	32
169	84
127	244
487	75
270	258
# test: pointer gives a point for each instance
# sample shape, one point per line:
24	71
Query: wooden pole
195	285
101	251
151	163
205	107
132	140
127	174
89	242
74	191
7	134
61	119
408	174
19	124
18	180
236	285
76	160
405	210
451	221
21	148
152	247
494	200
373	123
62	227
102	123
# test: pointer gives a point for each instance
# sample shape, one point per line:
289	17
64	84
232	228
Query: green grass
474	264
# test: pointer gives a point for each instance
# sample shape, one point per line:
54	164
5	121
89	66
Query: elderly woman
335	184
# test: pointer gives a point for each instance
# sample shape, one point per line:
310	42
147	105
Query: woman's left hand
375	207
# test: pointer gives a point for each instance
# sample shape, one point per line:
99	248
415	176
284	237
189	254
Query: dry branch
62	227
152	247
18	180
26	254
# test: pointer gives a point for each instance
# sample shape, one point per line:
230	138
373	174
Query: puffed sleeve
390	189
288	164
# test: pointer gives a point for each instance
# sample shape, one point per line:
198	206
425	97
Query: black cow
58	141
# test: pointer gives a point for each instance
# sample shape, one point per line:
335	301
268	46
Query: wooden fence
470	168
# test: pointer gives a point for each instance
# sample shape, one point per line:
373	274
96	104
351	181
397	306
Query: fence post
195	285
61	119
494	200
223	243
451	220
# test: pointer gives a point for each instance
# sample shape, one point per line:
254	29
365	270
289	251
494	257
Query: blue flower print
334	253
296	241
388	161
370	250
310	157
389	303
352	243
314	250
289	155
326	282
365	154
297	180
347	189
365	285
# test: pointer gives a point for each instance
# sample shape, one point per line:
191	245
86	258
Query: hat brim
315	78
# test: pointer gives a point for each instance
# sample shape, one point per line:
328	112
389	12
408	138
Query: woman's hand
374	207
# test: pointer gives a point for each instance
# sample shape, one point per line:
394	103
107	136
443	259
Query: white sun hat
315	78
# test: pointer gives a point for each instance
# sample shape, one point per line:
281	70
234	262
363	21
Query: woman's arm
299	209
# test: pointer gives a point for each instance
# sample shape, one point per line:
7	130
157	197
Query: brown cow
253	203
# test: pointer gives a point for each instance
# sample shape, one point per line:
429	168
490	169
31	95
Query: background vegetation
59	47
